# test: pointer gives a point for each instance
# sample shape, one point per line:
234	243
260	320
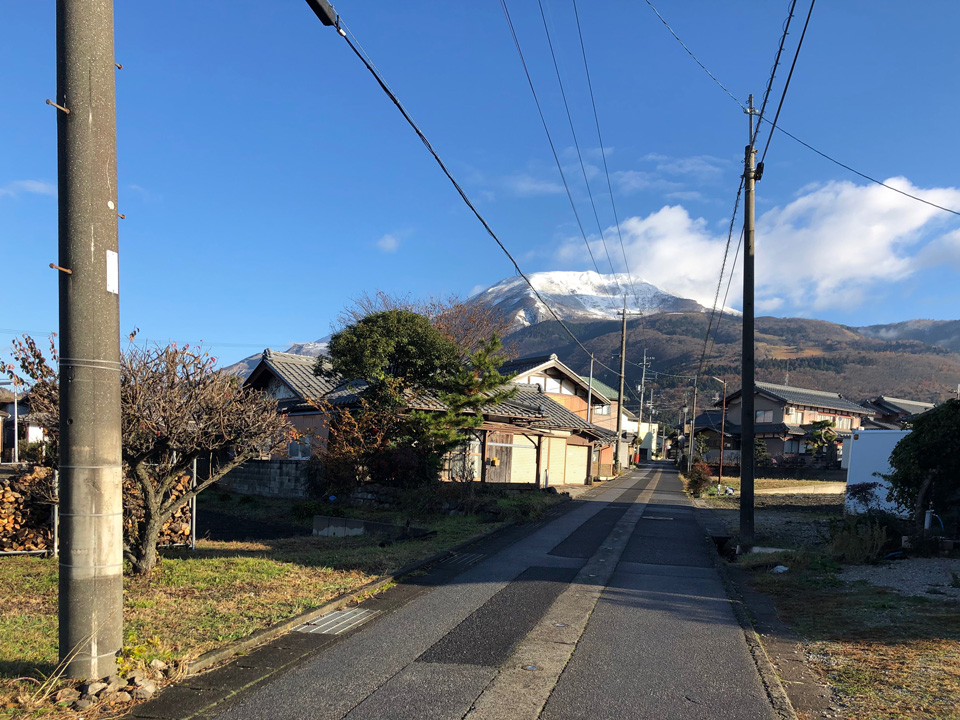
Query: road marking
461	560
337	622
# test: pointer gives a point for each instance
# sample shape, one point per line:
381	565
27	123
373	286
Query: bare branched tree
175	408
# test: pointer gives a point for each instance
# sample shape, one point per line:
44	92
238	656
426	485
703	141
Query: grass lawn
225	589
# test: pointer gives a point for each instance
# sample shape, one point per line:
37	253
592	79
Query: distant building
889	413
783	417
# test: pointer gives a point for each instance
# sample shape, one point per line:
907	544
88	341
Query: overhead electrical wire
807	145
695	58
786	85
736	205
603	156
573	132
773	70
546	129
364	58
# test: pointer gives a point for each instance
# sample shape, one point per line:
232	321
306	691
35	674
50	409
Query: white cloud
699	167
628	181
832	246
388	243
32	187
527	185
667	248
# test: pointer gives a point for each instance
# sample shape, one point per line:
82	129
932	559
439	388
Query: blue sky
266	179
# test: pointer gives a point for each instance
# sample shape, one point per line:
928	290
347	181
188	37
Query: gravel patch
924	577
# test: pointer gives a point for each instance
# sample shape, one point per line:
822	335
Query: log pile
27	500
176	531
25	511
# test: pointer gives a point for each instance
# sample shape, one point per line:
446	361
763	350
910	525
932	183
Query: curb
259	637
768	673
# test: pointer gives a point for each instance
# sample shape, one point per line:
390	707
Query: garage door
556	461
576	464
524	460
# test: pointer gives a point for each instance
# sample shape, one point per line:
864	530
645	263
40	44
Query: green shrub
699	478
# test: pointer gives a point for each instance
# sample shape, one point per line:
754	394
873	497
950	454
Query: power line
362	55
773	70
810	147
864	175
546	129
603	155
716	297
786	85
576	143
695	58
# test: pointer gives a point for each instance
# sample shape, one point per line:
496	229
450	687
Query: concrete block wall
279	478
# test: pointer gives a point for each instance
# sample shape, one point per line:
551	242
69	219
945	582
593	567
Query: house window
764	416
299	449
601	409
792	447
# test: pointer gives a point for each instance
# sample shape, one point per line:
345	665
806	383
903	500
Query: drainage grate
461	560
337	622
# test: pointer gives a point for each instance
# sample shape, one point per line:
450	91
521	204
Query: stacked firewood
175	531
25	511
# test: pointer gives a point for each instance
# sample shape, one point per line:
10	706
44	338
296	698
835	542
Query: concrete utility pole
643	382
747	417
623	366
91	556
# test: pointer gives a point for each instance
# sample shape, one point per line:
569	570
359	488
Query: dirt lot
785	521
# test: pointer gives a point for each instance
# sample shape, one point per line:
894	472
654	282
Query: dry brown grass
892	680
196	601
886	656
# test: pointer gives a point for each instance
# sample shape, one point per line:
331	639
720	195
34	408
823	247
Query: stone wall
269	478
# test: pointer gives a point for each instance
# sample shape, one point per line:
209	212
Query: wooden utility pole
91	515
693	428
747	387
723	430
590	394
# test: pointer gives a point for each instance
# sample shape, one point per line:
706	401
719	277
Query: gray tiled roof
901	406
297	372
557	416
526	364
815	398
529	403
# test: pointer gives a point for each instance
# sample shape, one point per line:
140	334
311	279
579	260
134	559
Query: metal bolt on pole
91	560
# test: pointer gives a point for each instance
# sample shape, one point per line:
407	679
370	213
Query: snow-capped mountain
579	296
575	296
311	349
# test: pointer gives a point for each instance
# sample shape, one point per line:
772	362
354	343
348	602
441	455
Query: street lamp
723	423
16	433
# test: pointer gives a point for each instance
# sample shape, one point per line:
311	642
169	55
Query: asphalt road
611	610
